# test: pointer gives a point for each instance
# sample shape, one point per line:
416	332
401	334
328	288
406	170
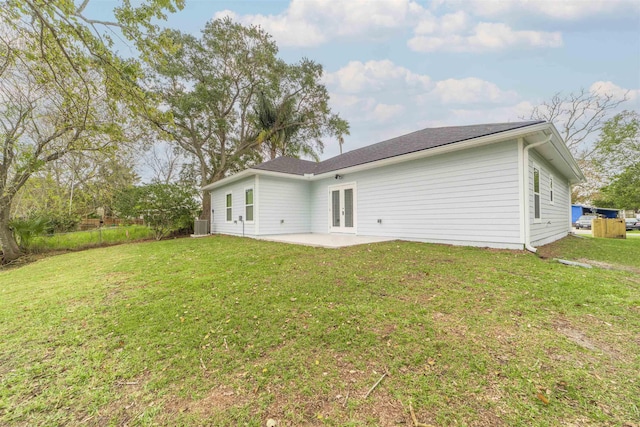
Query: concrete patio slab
325	240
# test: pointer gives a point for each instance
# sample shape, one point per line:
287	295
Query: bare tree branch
580	116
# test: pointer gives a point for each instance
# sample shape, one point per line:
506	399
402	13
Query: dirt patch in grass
609	266
380	409
220	399
386	410
578	337
128	406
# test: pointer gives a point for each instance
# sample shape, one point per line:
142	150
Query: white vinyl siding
466	197
284	206
319	205
556	216
219	223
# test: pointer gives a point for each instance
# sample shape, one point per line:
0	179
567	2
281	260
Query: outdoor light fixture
338	176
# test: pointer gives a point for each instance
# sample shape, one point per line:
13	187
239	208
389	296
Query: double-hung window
248	204
229	207
536	194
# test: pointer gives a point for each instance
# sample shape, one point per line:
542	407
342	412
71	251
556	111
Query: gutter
525	192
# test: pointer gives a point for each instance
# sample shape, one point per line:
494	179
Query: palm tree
278	126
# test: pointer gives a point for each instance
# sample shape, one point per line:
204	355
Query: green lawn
229	331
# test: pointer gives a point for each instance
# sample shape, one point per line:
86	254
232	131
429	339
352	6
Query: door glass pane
335	208
348	207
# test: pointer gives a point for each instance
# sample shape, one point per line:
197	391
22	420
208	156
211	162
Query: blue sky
395	66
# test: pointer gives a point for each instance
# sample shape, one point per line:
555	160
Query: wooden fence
611	228
89	223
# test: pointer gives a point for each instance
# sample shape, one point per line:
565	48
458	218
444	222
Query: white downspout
527	202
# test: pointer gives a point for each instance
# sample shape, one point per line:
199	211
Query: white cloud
557	9
381	80
485	36
471	91
374	76
386	112
285	29
381	94
447	24
464	116
313	22
611	89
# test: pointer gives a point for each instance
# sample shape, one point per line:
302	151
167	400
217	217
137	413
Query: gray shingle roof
405	144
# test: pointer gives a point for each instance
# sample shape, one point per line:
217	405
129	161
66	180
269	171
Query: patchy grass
90	238
231	331
612	251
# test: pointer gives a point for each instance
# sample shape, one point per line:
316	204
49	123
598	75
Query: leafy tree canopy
218	88
624	190
619	144
62	89
164	207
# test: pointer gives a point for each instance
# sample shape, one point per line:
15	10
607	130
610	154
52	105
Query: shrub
166	208
25	229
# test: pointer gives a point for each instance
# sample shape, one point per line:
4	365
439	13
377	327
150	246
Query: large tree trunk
10	249
206	206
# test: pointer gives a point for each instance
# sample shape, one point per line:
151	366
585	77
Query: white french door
342	208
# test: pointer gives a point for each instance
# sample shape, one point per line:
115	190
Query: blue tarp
578	210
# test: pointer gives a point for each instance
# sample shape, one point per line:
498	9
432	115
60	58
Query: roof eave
251	171
521	132
562	148
575	175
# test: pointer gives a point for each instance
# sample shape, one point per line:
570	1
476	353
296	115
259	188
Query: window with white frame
229	207
551	189
248	204
536	194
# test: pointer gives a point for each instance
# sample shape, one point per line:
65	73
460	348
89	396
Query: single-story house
501	185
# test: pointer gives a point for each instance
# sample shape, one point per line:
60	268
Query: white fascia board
227	180
561	148
282	175
448	148
248	172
